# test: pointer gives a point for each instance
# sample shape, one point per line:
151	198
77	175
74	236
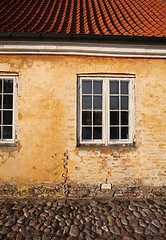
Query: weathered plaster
46	128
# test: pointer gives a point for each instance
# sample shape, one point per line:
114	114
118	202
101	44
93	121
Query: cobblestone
112	219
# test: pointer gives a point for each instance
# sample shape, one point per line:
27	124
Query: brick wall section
47	123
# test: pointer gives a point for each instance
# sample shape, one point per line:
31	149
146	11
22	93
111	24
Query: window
7	108
105	109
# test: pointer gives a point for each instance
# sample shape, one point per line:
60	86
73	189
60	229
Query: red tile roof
107	17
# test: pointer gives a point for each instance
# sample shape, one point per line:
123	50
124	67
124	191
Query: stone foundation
73	190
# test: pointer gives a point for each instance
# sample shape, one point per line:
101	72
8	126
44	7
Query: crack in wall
65	175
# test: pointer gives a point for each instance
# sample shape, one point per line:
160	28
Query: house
82	96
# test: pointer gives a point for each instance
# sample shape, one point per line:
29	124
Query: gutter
82	44
25	36
103	49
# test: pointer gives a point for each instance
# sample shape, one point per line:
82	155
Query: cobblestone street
83	219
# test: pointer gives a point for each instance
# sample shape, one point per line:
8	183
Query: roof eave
25	36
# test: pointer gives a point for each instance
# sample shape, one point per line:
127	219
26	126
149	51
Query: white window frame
105	109
14	77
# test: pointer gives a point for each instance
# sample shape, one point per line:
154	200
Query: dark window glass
7	117
124	103
86	87
0	133
124	133
7	101
124	118
97	133
114	133
114	118
97	118
97	87
97	102
0	101
8	86
114	103
0	85
7	132
124	87
86	133
86	118
114	87
0	118
86	102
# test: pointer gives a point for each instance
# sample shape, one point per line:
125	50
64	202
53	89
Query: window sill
103	146
6	147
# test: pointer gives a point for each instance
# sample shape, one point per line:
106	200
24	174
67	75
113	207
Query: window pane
97	133
0	85
114	118
114	87
7	101
124	133
86	102
0	101
124	118
8	86
97	87
86	87
124	87
7	117
0	118
97	118
114	133
114	103
86	118
7	132
86	133
124	103
97	102
0	132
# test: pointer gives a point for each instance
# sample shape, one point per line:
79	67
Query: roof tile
120	17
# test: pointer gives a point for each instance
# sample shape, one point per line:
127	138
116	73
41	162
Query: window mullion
130	112
129	109
119	109
14	108
2	112
80	90
92	109
103	113
106	110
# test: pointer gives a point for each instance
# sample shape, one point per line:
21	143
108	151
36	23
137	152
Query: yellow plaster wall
47	123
